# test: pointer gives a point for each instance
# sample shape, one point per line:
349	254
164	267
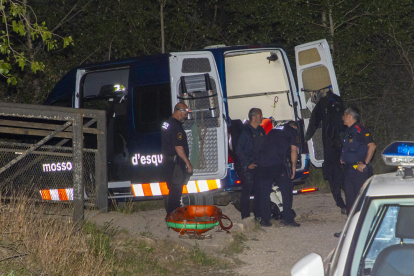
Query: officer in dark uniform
272	167
329	110
357	152
247	151
175	149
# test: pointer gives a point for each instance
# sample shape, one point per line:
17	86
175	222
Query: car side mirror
310	265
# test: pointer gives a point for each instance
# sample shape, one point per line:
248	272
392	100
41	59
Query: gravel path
275	251
271	251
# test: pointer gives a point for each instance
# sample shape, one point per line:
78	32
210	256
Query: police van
219	84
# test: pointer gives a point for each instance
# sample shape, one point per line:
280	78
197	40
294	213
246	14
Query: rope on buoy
220	216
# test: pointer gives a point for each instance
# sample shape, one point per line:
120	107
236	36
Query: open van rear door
195	81
316	76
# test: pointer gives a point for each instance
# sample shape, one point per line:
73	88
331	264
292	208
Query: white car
378	237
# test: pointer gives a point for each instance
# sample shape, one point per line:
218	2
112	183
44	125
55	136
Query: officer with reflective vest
358	149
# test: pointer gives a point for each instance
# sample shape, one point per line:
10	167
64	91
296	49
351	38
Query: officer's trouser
249	186
286	188
354	180
175	190
174	196
333	173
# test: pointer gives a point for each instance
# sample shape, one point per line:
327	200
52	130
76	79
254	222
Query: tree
20	30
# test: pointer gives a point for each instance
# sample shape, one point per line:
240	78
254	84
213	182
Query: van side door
195	81
316	76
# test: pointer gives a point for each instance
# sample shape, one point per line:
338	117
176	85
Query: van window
151	106
93	83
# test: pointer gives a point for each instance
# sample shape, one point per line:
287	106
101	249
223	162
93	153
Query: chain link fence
54	155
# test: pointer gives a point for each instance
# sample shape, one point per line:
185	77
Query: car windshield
388	229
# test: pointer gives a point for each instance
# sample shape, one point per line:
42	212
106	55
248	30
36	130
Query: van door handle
287	95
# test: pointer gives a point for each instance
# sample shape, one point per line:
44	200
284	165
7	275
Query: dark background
371	42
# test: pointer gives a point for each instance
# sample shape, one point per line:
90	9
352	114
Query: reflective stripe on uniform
159	189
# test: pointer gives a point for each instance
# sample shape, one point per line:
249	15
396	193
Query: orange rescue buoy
196	219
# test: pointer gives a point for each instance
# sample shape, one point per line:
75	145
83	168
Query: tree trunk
28	36
162	4
331	30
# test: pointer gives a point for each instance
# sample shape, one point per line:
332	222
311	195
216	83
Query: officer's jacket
329	110
246	149
355	146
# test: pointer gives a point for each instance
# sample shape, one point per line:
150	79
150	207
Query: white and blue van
219	84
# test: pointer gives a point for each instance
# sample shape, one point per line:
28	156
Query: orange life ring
196	219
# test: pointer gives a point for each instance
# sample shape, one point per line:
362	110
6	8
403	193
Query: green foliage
99	240
17	48
201	258
237	245
372	43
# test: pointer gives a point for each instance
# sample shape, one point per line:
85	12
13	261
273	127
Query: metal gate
54	154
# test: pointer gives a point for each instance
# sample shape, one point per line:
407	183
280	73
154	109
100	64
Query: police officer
357	152
175	149
272	167
329	110
247	151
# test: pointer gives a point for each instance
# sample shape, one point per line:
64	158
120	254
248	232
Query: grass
237	245
32	243
130	207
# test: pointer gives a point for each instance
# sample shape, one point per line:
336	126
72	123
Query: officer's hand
361	167
342	162
293	173
189	168
252	166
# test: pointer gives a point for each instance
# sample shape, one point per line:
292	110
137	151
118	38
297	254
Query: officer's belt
353	166
170	157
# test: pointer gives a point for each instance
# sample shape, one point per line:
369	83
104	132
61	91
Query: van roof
66	87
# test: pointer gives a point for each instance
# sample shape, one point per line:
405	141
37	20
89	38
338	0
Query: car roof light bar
400	154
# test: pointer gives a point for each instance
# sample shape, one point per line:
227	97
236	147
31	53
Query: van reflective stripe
213	184
58	194
164	188
147	189
160	189
45	194
155	188
192	187
202	185
137	190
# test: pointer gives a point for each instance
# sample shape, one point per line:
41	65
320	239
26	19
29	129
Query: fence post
101	165
78	185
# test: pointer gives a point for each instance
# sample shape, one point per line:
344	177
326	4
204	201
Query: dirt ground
269	251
